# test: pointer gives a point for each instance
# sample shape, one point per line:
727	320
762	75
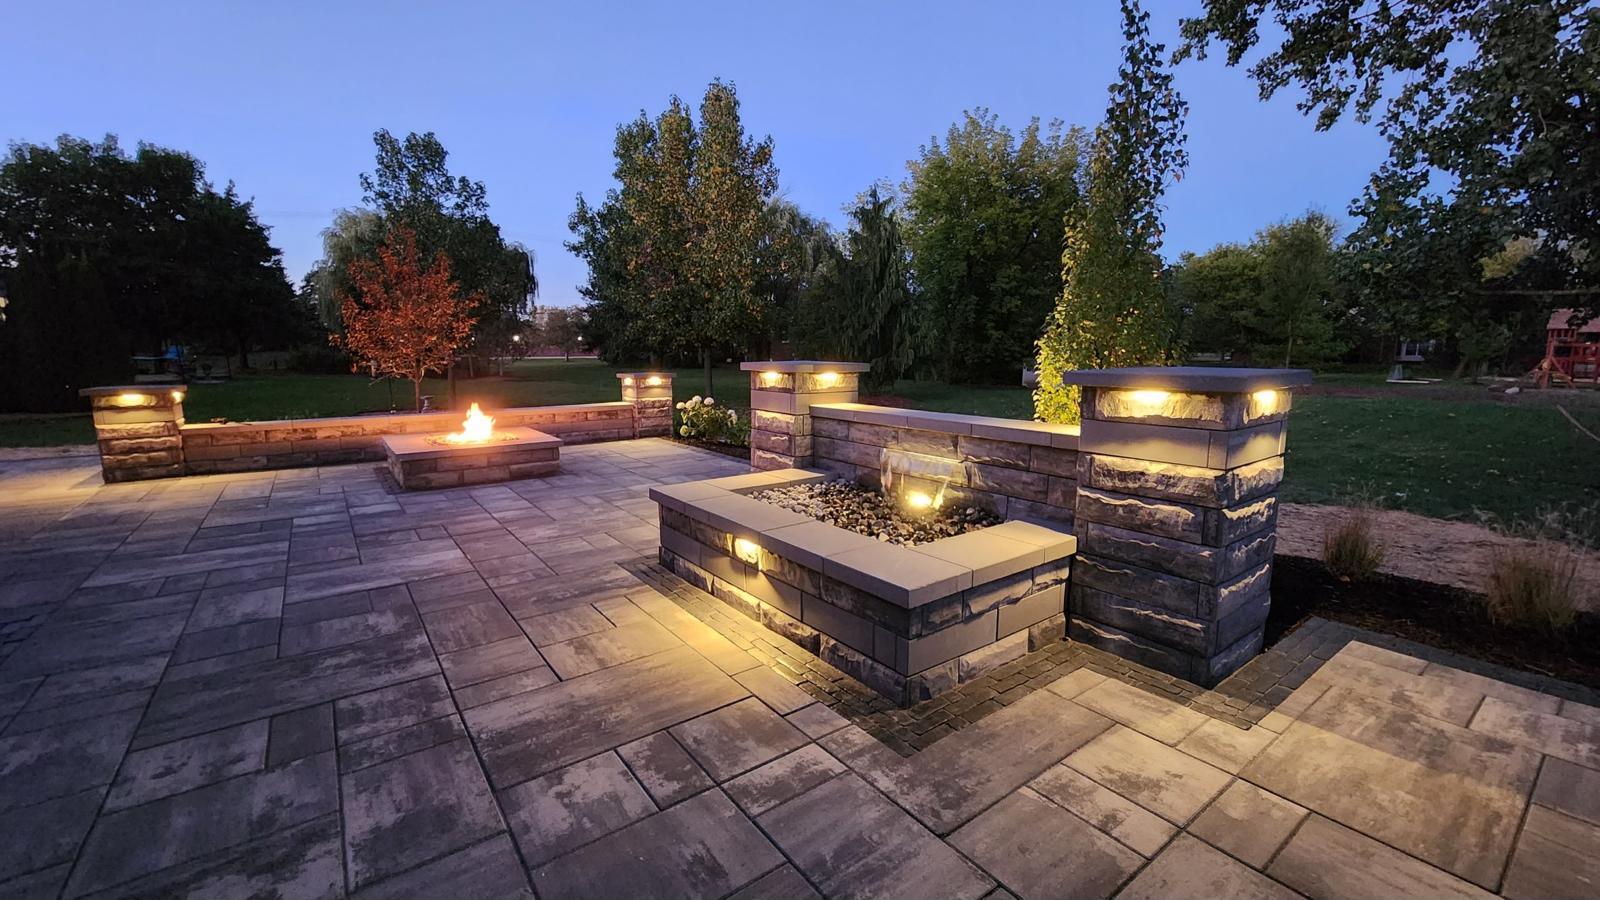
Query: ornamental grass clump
1533	582
1349	549
703	420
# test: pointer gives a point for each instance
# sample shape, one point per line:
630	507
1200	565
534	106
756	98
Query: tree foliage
678	251
108	253
1489	110
405	318
859	307
985	209
411	186
1113	309
563	329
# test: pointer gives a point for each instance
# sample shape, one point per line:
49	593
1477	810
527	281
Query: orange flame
475	429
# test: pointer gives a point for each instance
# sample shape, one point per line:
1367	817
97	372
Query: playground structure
1572	351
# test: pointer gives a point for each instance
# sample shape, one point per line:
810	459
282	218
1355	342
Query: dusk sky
282	99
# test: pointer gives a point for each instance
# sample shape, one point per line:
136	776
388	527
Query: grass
1446	459
1455	453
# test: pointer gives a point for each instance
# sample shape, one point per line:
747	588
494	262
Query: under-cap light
746	550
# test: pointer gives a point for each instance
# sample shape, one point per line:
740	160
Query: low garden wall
1010	467
142	434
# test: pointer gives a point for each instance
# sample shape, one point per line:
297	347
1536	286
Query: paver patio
300	683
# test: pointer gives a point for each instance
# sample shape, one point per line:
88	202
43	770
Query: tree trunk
244	352
705	359
452	380
416	391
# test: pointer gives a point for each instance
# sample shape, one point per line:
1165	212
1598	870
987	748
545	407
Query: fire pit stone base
420	461
908	622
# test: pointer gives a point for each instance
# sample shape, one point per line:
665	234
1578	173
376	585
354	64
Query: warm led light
1265	401
130	398
918	500
749	551
475	429
177	396
1153	398
653	380
827	379
770	378
628	382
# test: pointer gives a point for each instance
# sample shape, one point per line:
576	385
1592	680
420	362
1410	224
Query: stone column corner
781	394
138	431
1176	513
651	396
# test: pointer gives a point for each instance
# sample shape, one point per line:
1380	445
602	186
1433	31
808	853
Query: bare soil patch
1455	554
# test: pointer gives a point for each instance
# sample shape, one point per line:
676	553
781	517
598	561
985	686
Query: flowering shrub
703	419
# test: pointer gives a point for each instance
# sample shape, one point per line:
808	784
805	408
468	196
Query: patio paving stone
875	850
414	808
737	738
1188	868
703	847
1357	761
572	806
303	684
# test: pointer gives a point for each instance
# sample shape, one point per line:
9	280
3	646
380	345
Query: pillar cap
1192	379
154	389
804	366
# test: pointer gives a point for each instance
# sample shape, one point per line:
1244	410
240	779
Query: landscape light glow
177	396
1266	401
827	379
1147	403
749	551
653	380
770	378
627	382
130	398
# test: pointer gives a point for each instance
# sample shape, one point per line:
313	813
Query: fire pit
875	514
477	454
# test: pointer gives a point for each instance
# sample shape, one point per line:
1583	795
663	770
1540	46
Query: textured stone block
1011	482
1152	623
1196	562
1189	484
992	452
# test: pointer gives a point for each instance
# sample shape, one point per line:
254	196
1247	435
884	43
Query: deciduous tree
404	318
1489	110
985	221
1113	310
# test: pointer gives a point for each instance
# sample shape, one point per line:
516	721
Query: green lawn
1453	453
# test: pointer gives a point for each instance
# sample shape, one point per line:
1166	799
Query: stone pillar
137	428
651	396
1178	472
781	394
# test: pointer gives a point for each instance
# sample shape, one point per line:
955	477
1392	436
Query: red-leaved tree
405	320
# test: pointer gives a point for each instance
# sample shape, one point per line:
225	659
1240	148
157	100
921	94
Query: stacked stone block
1012	468
781	395
651	396
138	429
1178	471
909	632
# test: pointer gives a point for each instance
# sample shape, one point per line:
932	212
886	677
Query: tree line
105	254
1002	249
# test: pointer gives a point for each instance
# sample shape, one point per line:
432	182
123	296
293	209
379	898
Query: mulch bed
1437	615
737	451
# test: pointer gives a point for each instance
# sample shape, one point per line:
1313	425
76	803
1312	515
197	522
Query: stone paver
299	683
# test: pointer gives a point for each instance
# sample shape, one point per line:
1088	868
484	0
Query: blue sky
282	98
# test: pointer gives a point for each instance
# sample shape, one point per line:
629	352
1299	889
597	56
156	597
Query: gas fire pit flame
477	428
